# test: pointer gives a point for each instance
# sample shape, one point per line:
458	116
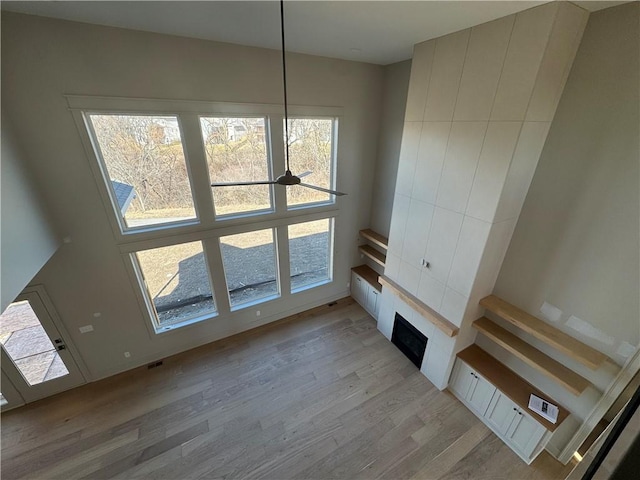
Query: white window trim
209	229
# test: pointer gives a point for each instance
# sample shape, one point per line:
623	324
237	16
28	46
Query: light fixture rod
284	82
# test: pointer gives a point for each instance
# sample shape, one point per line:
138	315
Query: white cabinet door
461	379
525	433
480	394
358	289
501	412
372	301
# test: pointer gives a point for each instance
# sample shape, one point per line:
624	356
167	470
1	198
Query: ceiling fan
288	178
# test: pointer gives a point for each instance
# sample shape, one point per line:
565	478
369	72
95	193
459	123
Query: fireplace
409	340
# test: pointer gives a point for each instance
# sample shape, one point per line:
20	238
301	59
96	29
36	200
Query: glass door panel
35	357
28	345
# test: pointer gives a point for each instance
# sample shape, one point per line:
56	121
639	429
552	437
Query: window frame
148	301
268	139
108	185
206	227
333	178
330	256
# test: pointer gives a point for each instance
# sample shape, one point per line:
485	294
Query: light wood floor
325	396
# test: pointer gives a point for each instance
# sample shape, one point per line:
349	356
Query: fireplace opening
409	340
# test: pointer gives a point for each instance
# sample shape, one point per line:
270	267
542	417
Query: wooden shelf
422	308
373	254
532	356
369	274
509	383
568	345
375	237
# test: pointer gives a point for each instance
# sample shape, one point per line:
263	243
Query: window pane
310	253
28	345
250	266
145	164
237	152
178	282
310	149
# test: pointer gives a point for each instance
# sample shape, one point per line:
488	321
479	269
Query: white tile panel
419	80
526	48
416	234
399	215
433	147
522	168
461	160
482	67
469	250
445	228
453	306
409	278
392	267
497	151
407	161
556	63
430	290
445	76
496	247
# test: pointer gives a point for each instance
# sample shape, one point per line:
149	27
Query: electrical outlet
86	329
127	355
257	313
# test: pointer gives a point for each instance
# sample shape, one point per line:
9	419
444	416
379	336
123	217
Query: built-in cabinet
365	287
364	291
515	425
473	388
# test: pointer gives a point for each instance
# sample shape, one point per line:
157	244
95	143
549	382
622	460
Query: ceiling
380	32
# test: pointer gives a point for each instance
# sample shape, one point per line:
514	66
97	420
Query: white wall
576	245
394	101
28	238
44	59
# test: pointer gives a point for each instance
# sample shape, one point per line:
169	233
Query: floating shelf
568	345
369	275
532	356
422	308
373	254
509	383
375	238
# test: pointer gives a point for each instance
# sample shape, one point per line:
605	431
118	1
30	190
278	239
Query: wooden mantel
422	308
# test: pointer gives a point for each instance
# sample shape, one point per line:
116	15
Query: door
525	433
358	291
372	301
461	379
501	412
480	394
35	358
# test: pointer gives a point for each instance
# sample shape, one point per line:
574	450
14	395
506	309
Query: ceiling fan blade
240	184
325	190
308	172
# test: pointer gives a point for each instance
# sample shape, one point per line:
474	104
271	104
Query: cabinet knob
519	413
514	409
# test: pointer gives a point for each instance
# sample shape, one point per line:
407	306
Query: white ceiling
379	32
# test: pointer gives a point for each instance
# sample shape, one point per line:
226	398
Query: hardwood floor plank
322	395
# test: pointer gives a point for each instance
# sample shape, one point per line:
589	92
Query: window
177	283
236	150
144	164
310	246
250	266
188	243
311	148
